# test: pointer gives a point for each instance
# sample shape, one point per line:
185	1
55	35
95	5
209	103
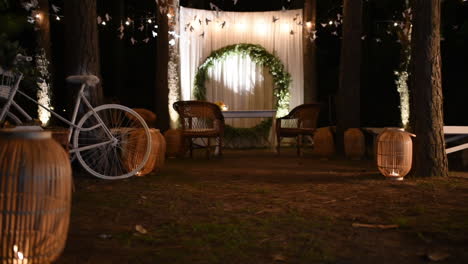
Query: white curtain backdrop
242	85
239	82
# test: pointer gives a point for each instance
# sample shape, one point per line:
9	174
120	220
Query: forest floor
251	206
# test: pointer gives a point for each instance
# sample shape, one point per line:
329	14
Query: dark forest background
128	70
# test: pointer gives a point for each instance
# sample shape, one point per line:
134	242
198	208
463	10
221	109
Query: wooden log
354	144
324	145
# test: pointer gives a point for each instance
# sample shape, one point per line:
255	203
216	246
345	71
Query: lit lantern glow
394	153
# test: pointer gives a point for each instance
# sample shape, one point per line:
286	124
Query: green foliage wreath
259	55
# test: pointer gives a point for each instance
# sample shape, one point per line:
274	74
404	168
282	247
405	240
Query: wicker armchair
301	121
201	119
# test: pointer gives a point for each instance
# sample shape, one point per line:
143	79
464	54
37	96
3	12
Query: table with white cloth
256	114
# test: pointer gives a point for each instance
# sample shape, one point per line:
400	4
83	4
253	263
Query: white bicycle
110	141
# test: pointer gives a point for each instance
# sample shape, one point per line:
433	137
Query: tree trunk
348	97
174	66
429	149
43	30
310	70
82	43
162	89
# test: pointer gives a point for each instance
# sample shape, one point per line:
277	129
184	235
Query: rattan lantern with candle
35	191
134	155
394	153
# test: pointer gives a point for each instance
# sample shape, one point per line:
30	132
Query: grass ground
254	207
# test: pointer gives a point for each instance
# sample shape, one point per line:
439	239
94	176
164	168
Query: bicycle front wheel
112	144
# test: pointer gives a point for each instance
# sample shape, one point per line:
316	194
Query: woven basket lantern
394	153
157	155
354	144
324	145
174	143
147	115
35	191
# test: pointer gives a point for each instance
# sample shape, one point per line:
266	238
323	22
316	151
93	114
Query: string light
150	21
57	18
103	23
127	23
309	24
395	24
330	22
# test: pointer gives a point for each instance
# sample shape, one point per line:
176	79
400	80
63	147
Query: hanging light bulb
127	23
57	18
103	23
150	21
330	22
395	24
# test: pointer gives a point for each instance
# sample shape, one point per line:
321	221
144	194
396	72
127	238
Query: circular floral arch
259	55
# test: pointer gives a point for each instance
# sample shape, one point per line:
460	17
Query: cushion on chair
200	132
296	131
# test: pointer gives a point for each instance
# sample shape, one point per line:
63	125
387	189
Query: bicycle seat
90	80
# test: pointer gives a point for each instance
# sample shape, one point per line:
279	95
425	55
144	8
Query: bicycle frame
72	123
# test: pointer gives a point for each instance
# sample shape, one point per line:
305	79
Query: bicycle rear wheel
111	160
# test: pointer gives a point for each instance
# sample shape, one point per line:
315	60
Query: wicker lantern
35	191
324	145
147	115
135	155
175	143
394	153
354	144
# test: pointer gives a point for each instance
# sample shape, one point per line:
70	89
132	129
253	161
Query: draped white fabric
238	81
250	88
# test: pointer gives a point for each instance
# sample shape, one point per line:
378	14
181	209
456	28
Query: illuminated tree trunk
43	59
430	157
174	65
310	71
348	97
82	43
402	74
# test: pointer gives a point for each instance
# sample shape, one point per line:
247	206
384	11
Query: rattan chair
301	121
200	119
